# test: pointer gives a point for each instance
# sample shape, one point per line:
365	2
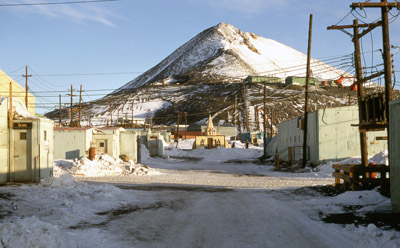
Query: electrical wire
54	3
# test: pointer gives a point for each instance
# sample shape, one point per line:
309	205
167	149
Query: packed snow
105	212
103	165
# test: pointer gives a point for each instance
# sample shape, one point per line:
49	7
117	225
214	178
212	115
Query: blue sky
124	36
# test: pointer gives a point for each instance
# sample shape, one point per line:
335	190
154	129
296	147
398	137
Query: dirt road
208	208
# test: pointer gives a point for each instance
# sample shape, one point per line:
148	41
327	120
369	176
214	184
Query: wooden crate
358	177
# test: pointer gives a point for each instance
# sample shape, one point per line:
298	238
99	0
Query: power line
54	3
87	74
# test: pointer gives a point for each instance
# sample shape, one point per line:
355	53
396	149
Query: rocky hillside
203	76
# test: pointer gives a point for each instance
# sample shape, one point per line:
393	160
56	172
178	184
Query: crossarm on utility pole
369	29
372	76
375	5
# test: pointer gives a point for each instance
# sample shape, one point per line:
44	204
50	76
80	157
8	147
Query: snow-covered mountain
223	53
203	76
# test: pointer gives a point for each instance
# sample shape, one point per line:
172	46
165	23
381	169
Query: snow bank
185	144
31	232
217	154
360	198
380	158
375	236
103	165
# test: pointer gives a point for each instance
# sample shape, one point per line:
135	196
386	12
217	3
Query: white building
26	147
72	142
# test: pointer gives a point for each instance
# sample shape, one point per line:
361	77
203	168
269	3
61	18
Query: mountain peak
224	53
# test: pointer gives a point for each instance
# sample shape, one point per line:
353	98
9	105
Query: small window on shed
45	135
22	136
101	144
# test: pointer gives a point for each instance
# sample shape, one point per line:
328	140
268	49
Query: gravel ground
212	178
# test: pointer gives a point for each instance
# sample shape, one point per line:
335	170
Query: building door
101	146
153	146
22	171
210	143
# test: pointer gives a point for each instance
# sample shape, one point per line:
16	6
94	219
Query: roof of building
72	128
111	128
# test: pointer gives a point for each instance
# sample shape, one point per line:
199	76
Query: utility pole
132	115
246	110
177	128
10	111
235	113
60	108
360	92
80	106
71	109
149	121
387	64
384	5
26	76
186	114
306	93
265	120
272	125
117	115
240	125
111	112
257	117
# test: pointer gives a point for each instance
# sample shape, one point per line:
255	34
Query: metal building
330	135
394	154
72	142
301	81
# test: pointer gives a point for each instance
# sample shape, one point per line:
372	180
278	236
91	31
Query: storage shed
107	140
129	145
26	149
72	142
330	135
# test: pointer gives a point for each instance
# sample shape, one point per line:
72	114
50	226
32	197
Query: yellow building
18	91
210	139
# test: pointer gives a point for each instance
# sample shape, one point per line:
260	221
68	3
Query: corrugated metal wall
395	155
330	134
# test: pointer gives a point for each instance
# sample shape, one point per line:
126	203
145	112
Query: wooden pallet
358	177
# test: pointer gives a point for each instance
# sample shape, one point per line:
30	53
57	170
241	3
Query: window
101	144
202	142
22	136
45	135
218	143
